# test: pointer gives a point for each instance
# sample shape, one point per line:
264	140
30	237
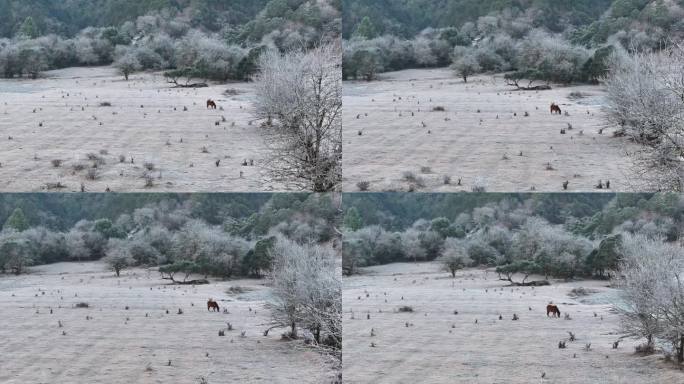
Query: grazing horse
555	108
553	310
211	304
211	104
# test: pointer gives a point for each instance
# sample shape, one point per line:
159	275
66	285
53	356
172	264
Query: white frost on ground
442	347
471	144
118	345
66	102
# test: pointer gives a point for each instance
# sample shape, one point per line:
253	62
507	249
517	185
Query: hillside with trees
217	40
561	235
565	42
215	235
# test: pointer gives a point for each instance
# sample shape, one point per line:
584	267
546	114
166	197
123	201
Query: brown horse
555	108
212	305
211	104
553	310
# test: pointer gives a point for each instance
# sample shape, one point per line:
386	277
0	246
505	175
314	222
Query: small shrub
92	174
149	166
57	185
645	348
105	104
425	170
96	159
480	185
581	291
405	308
363	186
236	289
149	180
205	149
82	305
447	180
438	108
414	180
78	167
56	163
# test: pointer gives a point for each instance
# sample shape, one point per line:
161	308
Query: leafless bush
411	177
56	163
57	185
92	174
479	185
236	289
581	291
149	166
149	180
363	186
645	348
96	159
78	167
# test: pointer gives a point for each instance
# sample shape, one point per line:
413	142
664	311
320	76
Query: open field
127	336
433	344
51	125
482	137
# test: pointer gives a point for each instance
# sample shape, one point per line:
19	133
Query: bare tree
299	97
118	256
651	275
127	63
465	64
454	256
646	99
307	290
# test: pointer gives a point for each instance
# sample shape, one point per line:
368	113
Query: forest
545	40
217	40
562	235
210	234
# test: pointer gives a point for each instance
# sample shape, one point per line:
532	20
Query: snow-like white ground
107	343
474	346
59	117
390	128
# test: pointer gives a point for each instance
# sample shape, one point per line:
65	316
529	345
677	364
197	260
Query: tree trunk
117	272
293	332
453	273
680	350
